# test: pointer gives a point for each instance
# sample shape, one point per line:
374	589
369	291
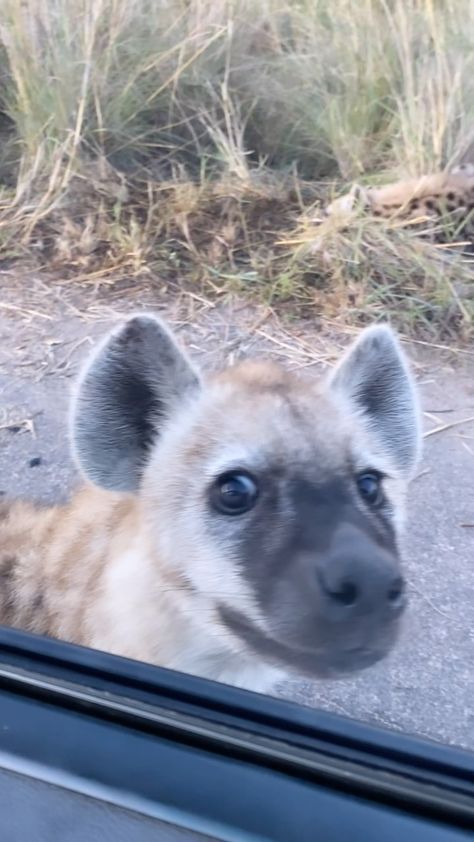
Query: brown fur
448	195
155	574
52	559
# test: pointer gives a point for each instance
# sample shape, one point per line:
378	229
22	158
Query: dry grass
194	138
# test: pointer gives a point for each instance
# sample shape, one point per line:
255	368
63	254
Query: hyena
241	527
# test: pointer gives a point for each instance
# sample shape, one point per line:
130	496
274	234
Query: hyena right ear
131	384
375	378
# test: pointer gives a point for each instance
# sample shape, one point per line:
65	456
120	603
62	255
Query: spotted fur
140	563
426	202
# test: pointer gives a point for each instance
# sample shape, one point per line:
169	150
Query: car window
237	308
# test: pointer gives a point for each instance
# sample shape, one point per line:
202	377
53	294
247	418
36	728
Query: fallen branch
444	427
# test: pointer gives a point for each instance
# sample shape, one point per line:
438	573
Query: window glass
269	181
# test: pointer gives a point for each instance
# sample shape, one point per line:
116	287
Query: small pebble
33	463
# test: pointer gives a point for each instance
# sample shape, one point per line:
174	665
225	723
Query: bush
111	107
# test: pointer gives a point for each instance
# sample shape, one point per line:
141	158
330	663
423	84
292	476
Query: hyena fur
243	526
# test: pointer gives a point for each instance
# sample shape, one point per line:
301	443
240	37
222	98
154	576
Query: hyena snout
358	577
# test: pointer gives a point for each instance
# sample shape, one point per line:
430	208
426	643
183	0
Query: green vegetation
198	139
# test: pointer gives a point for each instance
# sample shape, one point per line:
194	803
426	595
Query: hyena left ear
374	376
129	388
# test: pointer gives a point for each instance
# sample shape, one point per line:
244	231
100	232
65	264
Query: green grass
191	136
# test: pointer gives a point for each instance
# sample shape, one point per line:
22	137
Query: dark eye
370	487
234	493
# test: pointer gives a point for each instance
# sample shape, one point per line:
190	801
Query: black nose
358	575
359	586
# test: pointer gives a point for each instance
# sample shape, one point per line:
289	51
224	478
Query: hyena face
276	499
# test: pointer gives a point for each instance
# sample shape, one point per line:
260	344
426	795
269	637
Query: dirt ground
427	685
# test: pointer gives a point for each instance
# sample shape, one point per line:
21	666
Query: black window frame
217	759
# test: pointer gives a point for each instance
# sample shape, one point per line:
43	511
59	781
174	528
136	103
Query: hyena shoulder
51	557
24	527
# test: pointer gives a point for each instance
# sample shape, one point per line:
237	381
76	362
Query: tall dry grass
125	122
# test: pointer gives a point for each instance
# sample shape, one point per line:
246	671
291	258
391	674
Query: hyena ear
128	388
374	376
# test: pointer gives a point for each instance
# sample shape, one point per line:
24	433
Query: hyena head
278	499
